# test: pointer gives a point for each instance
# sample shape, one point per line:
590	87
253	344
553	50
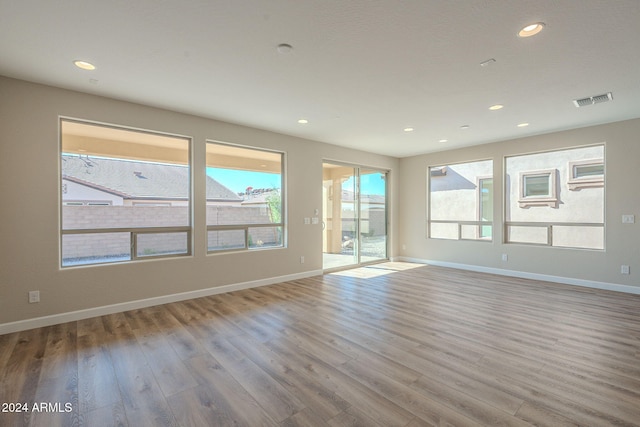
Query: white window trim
438	171
550	200
575	183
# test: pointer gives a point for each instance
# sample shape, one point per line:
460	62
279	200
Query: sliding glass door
373	215
354	217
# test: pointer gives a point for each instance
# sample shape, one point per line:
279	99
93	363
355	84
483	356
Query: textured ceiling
360	70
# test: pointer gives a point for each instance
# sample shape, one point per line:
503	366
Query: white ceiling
360	70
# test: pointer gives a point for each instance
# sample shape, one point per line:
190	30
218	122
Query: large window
556	198
461	201
124	194
245	198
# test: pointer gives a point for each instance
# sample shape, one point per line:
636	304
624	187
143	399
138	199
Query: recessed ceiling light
531	30
303	121
444	140
465	127
496	107
284	48
523	125
409	129
84	65
487	62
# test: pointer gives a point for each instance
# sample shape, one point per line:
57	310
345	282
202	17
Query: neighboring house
104	181
258	197
461	194
104	193
551	198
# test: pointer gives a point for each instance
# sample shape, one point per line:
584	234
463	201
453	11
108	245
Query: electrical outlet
628	219
624	269
314	220
34	296
307	221
505	257
302	259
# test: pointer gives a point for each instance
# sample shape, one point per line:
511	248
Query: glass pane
373	216
259	213
453	191
443	231
158	244
578	237
244	185
225	240
265	237
486	206
583	206
121	178
535	186
339	216
138	216
475	232
537	235
98	248
589	170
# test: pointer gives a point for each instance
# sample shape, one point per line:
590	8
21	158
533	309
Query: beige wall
29	216
622	196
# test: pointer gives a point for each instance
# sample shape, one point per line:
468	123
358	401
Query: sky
369	184
238	180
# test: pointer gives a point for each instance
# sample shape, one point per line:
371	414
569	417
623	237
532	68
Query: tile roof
138	180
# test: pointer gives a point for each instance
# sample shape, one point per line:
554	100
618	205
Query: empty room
319	213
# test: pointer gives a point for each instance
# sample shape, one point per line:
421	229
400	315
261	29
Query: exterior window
542	209
585	174
124	194
485	197
245	198
537	185
461	201
538	188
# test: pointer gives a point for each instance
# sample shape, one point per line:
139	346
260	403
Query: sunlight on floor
377	270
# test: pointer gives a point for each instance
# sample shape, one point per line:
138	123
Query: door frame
357	213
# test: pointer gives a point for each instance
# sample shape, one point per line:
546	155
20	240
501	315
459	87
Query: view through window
556	198
461	201
124	193
245	203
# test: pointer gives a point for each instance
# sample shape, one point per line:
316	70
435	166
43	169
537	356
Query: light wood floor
389	345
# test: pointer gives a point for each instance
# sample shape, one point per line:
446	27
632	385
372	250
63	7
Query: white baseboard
526	275
54	319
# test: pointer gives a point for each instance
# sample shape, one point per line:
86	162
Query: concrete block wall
80	246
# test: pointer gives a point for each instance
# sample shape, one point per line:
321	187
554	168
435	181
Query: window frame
549	228
577	183
245	227
551	199
440	171
479	182
133	232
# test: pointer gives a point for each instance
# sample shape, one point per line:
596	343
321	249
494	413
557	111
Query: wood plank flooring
393	344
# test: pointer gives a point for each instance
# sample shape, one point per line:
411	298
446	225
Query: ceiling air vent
597	99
